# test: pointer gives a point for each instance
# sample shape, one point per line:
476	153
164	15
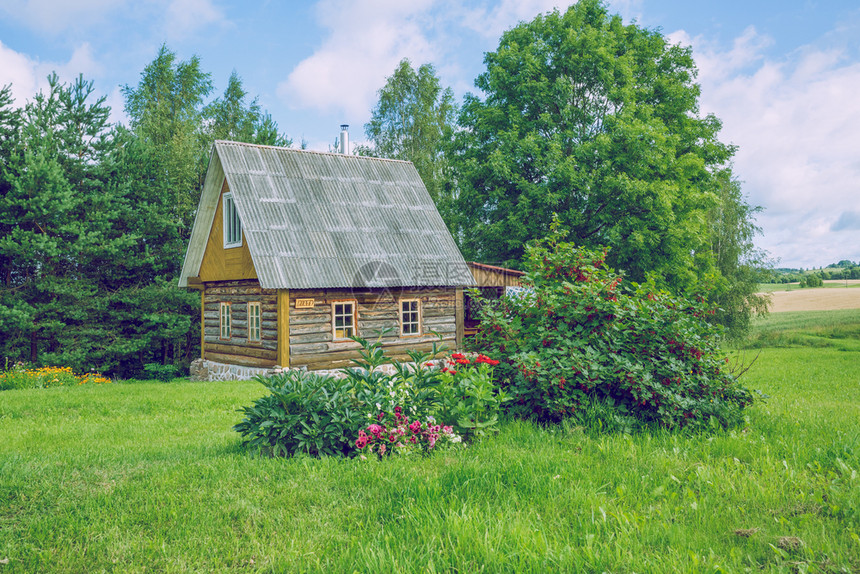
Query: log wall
311	337
238	350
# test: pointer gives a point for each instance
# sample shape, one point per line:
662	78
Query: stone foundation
211	371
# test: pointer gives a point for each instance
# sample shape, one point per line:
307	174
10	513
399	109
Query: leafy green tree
598	122
732	266
413	120
231	118
165	111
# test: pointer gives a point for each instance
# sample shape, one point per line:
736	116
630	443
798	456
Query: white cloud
493	19
366	41
28	75
20	71
367	38
796	122
184	17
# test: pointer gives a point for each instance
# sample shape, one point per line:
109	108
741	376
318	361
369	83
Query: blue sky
784	76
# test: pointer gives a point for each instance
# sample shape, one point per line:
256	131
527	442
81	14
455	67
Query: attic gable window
232	225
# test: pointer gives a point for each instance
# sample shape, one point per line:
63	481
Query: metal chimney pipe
344	139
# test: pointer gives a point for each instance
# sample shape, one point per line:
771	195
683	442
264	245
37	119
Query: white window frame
353	317
416	322
255	322
225	321
232	223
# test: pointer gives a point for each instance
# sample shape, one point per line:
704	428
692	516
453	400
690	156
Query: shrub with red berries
580	334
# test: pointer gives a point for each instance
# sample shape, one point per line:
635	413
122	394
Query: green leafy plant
579	335
306	412
469	397
160	372
322	415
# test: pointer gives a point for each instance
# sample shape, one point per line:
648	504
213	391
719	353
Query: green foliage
305	413
470	400
231	118
159	372
324	415
413	120
599	122
578	336
812	280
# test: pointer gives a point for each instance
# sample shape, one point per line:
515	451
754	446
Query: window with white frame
232	225
410	317
225	321
343	319
254	316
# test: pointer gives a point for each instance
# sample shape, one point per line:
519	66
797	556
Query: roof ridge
287	149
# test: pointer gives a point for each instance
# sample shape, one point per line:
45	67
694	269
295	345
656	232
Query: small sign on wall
304	303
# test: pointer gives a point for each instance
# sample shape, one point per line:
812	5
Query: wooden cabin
295	251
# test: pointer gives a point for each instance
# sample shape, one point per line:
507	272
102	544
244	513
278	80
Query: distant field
819	299
836	328
829	284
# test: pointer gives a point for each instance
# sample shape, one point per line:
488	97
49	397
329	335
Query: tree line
577	115
94	217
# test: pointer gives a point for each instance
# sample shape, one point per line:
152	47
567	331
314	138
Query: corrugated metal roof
322	220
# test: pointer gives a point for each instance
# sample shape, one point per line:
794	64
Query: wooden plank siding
312	343
221	264
238	350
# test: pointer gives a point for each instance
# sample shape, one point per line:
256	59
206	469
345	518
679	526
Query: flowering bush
387	437
323	415
470	399
580	336
19	377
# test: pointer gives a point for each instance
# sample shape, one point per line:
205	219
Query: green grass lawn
141	477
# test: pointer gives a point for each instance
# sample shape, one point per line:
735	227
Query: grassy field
141	477
829	284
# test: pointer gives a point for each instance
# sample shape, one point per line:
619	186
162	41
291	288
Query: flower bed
20	377
372	408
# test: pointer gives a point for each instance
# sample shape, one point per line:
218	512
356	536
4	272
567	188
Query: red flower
428	364
458	356
464	362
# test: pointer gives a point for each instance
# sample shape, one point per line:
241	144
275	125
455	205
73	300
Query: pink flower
447	430
376	430
382	449
361	442
415	426
380	416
